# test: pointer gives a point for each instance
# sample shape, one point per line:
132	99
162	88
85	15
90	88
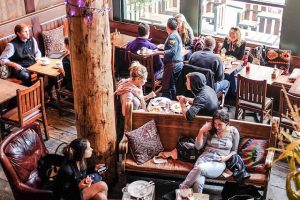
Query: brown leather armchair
19	155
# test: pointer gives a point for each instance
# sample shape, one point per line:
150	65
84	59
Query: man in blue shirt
143	41
172	59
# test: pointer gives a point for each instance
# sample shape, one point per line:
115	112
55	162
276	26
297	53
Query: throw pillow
4	71
253	152
280	58
144	142
54	40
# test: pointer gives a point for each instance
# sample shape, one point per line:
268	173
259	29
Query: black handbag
186	149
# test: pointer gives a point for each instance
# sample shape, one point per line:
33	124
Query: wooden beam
90	50
29	6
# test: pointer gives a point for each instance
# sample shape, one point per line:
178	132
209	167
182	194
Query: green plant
290	151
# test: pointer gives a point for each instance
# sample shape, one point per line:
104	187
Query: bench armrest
269	158
123	150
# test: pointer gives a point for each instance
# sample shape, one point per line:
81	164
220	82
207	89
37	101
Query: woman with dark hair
221	143
66	70
205	101
73	180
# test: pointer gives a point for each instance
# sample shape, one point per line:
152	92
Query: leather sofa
19	154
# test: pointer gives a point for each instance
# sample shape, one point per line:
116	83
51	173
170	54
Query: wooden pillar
90	51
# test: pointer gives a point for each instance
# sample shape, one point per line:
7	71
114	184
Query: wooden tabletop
283	80
49	70
258	72
120	40
295	89
232	68
8	90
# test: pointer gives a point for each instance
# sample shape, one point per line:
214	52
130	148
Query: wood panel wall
41	4
11	9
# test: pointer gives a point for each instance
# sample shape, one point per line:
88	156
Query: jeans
24	75
170	76
223	85
201	170
233	80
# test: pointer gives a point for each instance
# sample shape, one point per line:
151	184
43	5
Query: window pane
260	24
151	11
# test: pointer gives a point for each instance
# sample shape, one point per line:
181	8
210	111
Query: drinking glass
126	195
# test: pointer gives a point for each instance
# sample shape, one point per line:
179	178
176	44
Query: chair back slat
30	99
147	61
254	91
284	109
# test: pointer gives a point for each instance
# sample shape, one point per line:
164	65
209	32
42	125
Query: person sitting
205	101
66	70
234	44
186	33
73	181
130	90
208	60
20	53
220	142
143	41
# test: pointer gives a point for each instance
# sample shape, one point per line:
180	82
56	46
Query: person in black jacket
205	101
73	181
66	70
234	44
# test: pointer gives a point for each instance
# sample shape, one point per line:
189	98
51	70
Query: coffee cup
45	61
59	64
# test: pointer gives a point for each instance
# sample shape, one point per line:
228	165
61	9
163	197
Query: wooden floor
62	129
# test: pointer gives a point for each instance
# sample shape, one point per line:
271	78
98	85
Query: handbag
186	149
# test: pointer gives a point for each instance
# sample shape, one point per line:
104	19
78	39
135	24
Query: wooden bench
170	127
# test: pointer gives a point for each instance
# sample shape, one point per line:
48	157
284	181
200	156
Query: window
150	11
260	21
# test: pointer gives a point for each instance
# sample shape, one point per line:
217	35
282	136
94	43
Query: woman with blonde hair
185	31
234	44
130	90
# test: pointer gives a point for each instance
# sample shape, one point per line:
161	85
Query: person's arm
171	52
241	51
6	54
197	106
191	38
202	135
124	99
149	96
219	76
37	52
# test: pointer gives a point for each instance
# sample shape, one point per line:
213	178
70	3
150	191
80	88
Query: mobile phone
102	169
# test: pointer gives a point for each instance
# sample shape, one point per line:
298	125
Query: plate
160	101
139	189
176	108
147	52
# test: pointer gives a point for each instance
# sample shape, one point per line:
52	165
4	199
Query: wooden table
228	71
295	89
121	40
258	72
48	70
8	90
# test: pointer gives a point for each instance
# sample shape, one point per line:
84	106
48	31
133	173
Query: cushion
253	152
54	40
278	57
4	71
144	142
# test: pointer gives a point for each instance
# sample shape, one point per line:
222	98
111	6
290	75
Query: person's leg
173	80
206	169
25	76
96	191
233	80
222	86
167	75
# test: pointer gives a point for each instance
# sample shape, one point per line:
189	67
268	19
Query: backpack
186	149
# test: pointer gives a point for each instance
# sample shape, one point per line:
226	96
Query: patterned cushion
54	40
4	71
144	142
253	153
278	57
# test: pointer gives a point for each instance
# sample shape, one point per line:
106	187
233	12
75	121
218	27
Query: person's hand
18	67
86	182
221	159
179	97
182	101
61	71
151	95
206	127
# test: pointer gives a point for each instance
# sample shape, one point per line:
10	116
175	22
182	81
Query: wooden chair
30	107
65	99
251	95
285	111
147	61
